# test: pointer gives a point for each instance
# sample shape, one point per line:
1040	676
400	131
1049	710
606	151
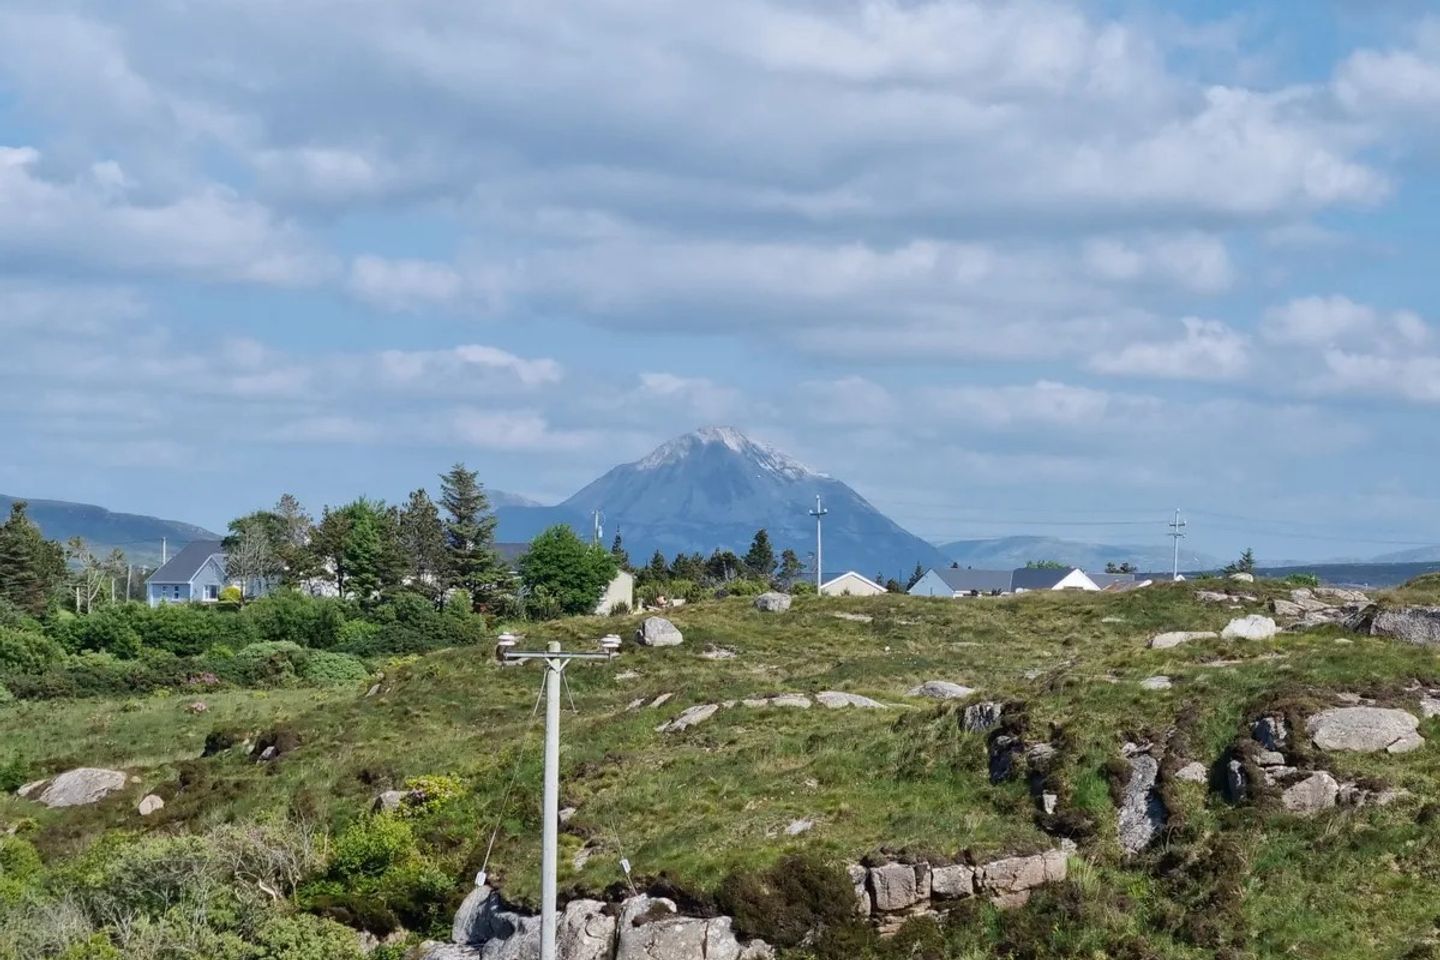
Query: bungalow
195	575
851	584
962	582
957	582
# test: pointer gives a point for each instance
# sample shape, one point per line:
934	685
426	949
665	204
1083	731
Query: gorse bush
26	651
324	668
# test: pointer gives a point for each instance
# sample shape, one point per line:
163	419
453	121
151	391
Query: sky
1041	266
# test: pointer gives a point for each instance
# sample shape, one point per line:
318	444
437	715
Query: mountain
139	536
499	498
1005	553
713	489
1415	555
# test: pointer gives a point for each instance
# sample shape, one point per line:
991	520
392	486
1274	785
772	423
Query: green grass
697	805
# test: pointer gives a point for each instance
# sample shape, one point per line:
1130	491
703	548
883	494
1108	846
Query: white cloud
511	430
702	397
1210	350
1415	378
457	366
403	284
1042	403
850	400
1191	261
1320	321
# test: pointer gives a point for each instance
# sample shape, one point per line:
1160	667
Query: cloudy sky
1042	266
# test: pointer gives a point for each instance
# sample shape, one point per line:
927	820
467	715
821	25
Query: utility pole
818	513
599	527
1177	531
164	550
555	663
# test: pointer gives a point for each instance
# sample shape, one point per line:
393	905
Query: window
212	592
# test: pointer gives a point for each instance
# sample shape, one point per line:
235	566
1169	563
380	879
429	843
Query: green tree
423	544
292	535
1246	563
760	558
250	552
561	566
1126	567
328	547
32	569
688	566
916	576
656	571
622	558
469	533
370	561
791	567
723	566
1045	565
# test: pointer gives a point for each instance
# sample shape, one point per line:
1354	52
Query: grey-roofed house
962	582
1106	580
194	575
1029	579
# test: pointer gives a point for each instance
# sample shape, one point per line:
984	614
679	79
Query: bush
293	617
24	651
19	866
108	631
745	588
370	847
1302	580
798	898
6	697
16	619
269	661
802	588
325	668
430	793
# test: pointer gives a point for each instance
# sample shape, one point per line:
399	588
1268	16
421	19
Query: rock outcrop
979	717
1417	625
772	602
1365	729
1142	812
910	888
1165	641
940	690
835	700
658	632
1253	627
1315	793
689	717
74	788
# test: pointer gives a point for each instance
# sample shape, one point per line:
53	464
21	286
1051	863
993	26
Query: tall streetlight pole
555	661
818	513
1177	530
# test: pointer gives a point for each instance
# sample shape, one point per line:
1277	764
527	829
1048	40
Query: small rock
1341	595
1002	879
772	602
1270	732
1193	772
1142	813
635	704
1243	577
1112	619
689	718
1269	758
858	877
1286	608
582	857
198	707
854	617
1429	707
150	804
1048	802
658	632
389	800
717	653
1164	641
565	815
1237	785
1315	793
798	827
979	717
1003	751
1253	627
940	690
898	886
269	753
1365	729
1156	683
374	689
661	700
1348	697
835	700
626	675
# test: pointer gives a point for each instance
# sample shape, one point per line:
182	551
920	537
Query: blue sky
997	265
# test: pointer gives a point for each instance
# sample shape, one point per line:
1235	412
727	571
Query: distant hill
499	498
1006	553
713	489
1414	555
139	536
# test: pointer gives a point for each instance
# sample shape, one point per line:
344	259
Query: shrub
371	846
108	631
358	634
23	651
745	588
1302	580
799	897
621	609
19	865
429	793
16	619
291	616
305	937
802	588
6	697
325	668
269	661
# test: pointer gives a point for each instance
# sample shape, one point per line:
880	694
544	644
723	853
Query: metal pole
817	513
550	812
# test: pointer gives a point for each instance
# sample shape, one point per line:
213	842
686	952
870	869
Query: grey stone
389	801
979	717
1270	732
1155	683
1237	785
1003	751
952	882
899	886
1315	793
1364	729
650	929
1243	577
431	950
689	717
853	617
1341	595
718	653
565	815
658	632
940	690
1193	772
858	877
1417	625
1287	608
1048	802
585	932
481	917
1429	707
835	700
1253	627
1165	641
798	827
772	602
1013	875
1142	813
661	700
1269	758
77	788
797	701
150	804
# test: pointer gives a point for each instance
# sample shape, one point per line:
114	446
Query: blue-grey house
194	575
961	582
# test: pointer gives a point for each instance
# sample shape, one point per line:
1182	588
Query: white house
851	584
618	592
964	582
1046	578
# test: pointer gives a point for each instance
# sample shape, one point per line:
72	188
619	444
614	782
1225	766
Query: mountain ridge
1015	551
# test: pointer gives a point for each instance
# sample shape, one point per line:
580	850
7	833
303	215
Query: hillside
1006	553
696	811
713	489
139	536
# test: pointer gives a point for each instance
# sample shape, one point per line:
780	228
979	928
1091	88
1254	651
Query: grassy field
695	806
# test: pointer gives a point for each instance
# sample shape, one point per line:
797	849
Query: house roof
857	576
965	580
1104	580
1040	578
183	567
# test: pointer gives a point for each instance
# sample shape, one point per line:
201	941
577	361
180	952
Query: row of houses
968	582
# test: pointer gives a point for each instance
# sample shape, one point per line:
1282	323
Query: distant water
1353	574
